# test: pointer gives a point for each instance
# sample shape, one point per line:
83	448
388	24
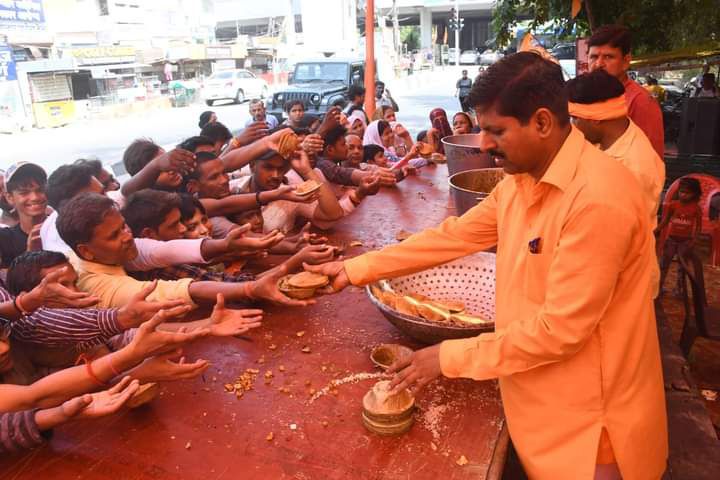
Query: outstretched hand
100	404
227	322
51	293
266	288
149	340
140	309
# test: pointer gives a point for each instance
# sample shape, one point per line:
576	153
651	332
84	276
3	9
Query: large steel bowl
470	279
463	153
472	186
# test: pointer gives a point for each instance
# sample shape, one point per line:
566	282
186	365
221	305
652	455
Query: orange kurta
575	346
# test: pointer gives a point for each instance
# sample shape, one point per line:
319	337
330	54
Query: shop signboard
26	14
103	55
7	64
216	52
54	114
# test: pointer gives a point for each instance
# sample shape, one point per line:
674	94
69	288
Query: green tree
410	35
657	25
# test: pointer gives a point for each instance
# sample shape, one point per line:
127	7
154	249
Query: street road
106	139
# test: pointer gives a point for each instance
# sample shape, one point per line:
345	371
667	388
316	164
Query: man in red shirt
609	49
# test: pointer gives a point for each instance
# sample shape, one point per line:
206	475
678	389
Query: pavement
106	139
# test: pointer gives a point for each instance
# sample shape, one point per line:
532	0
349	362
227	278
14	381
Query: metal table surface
196	430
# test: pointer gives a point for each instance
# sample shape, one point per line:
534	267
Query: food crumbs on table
305	349
462	460
293	426
356	243
433	447
323	368
188	445
300	333
270	437
324	424
172	437
281	368
272	346
260	360
269	374
308	383
312	391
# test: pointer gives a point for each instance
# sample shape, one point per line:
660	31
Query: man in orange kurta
575	346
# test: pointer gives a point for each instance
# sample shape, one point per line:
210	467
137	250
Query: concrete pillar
425	28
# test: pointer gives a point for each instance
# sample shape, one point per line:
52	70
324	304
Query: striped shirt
19	431
62	327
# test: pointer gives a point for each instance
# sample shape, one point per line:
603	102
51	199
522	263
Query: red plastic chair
710	187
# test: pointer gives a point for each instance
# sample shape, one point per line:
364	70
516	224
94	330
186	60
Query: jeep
318	84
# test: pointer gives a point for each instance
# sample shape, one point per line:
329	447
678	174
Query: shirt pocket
537	266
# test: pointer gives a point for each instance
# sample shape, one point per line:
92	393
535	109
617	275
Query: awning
679	59
103	71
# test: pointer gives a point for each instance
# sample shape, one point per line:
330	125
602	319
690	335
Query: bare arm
177	160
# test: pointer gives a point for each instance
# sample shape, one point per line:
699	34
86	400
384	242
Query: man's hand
334	270
254	131
387	177
313	144
34	242
176	160
416	371
287	192
369	185
150	341
401	131
272	140
51	294
100	404
300	162
226	322
140	310
267	289
167	367
315	254
330	120
239	244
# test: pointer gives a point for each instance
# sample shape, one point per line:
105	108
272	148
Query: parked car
318	84
452	55
469	57
488	57
237	85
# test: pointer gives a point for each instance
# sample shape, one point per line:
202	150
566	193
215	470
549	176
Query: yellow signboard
54	114
103	52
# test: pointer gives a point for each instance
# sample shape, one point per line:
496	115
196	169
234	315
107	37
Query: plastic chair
710	186
704	321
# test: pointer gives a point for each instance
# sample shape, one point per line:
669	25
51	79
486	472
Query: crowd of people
103	274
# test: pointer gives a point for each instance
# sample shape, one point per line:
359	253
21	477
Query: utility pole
370	58
457	33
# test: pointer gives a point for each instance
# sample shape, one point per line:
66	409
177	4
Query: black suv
318	84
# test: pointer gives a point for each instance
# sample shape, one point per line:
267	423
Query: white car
468	57
236	85
488	57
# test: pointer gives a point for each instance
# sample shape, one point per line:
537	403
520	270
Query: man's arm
177	160
341	175
581	282
645	112
20	431
154	254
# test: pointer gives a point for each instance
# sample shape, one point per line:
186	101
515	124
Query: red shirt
645	111
683	221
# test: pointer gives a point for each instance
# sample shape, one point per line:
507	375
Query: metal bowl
463	153
472	186
470	279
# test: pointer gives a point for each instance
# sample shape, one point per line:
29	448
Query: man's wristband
257	199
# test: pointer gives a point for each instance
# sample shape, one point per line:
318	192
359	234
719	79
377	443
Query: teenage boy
93	227
295	110
218	133
25	192
356	97
609	50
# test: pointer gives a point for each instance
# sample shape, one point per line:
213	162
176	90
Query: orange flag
576	5
530	44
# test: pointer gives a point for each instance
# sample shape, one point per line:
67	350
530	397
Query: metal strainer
470	280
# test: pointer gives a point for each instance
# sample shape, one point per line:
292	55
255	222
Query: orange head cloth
607	110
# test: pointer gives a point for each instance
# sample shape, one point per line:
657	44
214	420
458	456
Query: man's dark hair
65	182
594	87
94	163
520	84
692	185
340	102
188	205
355	91
291	103
200	158
138	154
421	136
216	132
148	208
205	118
190	144
369	152
652	81
24	272
617	36
80	215
334	134
24	179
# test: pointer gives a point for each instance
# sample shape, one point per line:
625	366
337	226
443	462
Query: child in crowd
295	110
380	133
683	221
462	124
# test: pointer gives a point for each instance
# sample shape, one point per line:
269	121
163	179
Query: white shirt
151	253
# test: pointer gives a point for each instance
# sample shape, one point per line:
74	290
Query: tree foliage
657	25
